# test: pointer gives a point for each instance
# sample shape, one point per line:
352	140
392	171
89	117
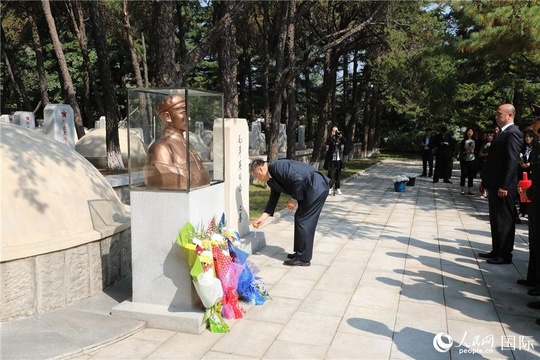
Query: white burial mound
93	147
52	197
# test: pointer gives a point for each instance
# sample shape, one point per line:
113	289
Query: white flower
400	178
218	238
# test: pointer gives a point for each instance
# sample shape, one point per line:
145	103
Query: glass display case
182	130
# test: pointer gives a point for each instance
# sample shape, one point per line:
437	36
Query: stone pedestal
163	294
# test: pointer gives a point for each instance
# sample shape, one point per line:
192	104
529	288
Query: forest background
382	71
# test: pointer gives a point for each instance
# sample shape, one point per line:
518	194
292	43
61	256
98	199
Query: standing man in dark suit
444	144
500	179
307	187
427	154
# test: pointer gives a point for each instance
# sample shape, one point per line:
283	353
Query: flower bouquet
198	256
250	287
221	272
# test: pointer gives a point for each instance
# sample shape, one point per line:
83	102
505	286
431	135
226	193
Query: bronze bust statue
167	162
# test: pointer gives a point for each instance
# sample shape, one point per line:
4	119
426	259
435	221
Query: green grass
258	196
259	193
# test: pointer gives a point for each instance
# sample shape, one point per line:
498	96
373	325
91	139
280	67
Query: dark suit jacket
533	193
502	164
299	180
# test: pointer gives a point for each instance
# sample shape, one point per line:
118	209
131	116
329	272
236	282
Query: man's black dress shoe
498	261
525	282
447	181
533	292
488	255
533	304
537	321
296	262
292	256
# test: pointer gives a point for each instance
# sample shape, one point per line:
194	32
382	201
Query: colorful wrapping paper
208	287
221	272
250	287
228	273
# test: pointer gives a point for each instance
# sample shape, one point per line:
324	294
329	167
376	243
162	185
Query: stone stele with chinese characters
166	165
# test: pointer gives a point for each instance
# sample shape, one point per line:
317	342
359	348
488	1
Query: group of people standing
510	154
439	151
501	157
442	147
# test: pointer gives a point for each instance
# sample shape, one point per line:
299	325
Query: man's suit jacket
299	180
502	164
533	193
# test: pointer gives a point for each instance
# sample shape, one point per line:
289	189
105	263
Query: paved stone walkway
391	273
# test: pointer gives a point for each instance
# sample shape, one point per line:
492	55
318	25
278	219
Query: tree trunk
137	71
64	70
40	65
165	72
372	122
145	63
77	18
278	90
181	33
291	87
329	82
309	107
266	74
228	60
112	113
354	109
14	75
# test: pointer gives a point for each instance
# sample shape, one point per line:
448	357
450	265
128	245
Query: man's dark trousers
503	226
427	159
305	223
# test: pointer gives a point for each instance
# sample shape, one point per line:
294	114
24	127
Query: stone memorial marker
101	123
25	119
282	138
236	169
254	138
59	124
7	118
301	145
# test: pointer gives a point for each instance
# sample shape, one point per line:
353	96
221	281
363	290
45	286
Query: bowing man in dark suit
500	179
307	187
